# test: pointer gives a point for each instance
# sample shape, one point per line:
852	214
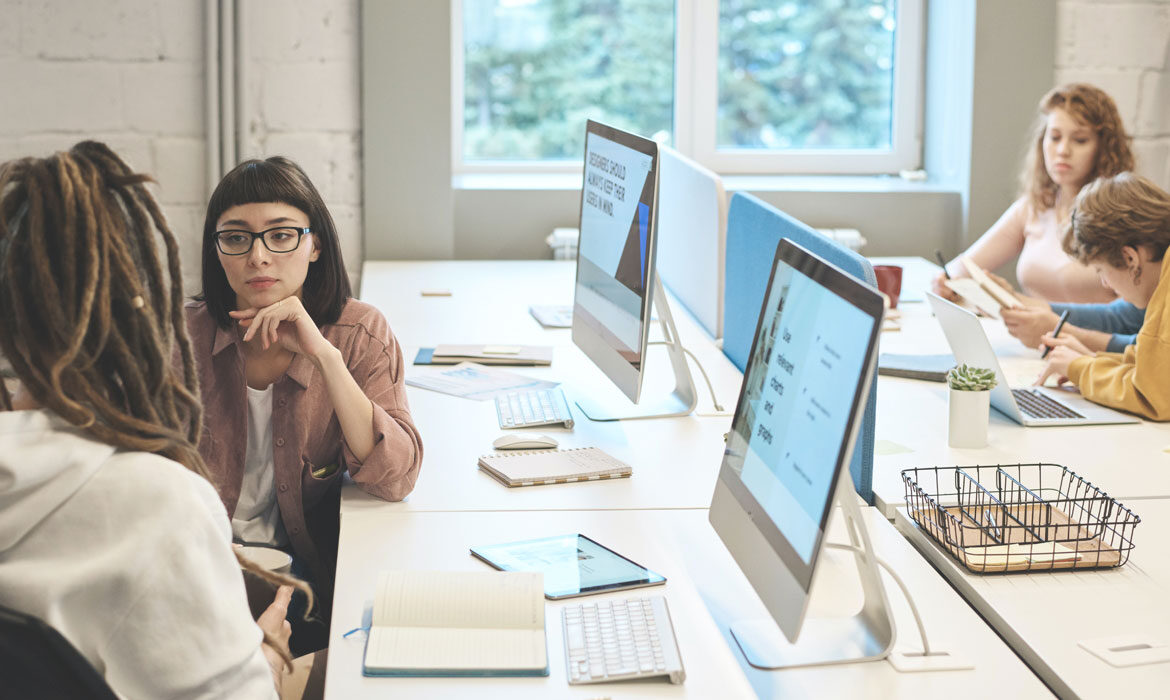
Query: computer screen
615	256
792	435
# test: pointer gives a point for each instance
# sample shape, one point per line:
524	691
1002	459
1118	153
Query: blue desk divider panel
754	229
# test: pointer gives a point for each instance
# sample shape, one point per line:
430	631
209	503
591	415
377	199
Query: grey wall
406	101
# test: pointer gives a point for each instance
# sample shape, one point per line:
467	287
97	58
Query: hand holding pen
938	284
1055	333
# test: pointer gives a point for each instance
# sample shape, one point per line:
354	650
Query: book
1006	555
529	355
1003	296
931	368
982	291
536	467
465	623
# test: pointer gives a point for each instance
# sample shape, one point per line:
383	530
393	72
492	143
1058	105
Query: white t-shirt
257	517
128	556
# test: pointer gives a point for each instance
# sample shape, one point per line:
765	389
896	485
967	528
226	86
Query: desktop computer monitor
615	254
692	236
803	394
616	284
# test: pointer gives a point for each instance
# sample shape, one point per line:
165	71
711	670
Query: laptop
1031	406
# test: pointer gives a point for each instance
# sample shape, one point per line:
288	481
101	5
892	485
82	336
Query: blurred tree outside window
789	76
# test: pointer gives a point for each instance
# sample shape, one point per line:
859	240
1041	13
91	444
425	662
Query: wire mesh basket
1019	517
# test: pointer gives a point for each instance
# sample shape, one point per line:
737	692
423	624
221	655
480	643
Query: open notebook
464	623
534	467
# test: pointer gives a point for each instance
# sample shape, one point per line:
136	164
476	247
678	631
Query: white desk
1043	616
675	465
705	590
675	460
1127	461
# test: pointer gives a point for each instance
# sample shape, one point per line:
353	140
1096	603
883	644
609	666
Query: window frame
696	107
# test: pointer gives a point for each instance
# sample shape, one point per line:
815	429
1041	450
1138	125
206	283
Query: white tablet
573	565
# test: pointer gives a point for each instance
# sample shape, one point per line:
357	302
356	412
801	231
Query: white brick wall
303	100
1123	46
130	73
127	72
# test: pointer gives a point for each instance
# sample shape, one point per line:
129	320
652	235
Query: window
743	86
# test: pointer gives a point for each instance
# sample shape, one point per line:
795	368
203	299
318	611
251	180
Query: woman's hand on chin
286	323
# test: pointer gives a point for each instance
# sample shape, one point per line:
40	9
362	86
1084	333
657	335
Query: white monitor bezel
620	371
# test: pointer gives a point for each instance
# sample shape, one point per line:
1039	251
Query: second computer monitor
615	257
692	236
803	393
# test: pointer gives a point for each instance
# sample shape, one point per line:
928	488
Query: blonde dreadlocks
91	324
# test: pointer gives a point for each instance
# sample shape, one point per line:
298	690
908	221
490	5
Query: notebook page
463	599
426	648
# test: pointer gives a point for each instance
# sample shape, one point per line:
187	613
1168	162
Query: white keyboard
621	639
526	409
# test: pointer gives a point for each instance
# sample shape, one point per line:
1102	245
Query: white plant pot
967	423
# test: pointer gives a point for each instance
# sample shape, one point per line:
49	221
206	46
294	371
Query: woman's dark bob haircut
276	179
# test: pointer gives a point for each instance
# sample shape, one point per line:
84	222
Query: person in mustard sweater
1120	227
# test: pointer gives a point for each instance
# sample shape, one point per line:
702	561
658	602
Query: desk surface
705	590
675	460
1044	616
1128	461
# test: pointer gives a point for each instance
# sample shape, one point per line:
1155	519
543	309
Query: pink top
1043	270
306	435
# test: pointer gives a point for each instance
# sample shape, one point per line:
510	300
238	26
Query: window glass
805	74
535	70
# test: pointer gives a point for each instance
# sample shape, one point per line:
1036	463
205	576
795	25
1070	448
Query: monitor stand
680	402
865	636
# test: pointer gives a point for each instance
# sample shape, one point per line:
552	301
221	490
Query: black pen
1059	325
942	261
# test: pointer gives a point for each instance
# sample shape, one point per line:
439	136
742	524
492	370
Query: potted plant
970	405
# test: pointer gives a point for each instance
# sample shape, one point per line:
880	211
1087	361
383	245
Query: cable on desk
710	388
901	584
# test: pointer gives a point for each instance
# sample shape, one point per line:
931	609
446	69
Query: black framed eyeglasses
282	239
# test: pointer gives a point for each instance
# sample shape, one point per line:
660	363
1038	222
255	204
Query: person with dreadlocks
109	529
301	382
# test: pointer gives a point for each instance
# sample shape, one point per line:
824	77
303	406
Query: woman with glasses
301	382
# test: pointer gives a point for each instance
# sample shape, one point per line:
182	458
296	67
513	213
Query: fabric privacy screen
754	229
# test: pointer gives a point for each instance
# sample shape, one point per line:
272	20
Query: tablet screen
572	565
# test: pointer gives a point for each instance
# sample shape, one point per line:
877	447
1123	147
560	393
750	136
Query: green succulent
968	378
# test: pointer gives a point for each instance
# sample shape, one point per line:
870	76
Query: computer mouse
523	441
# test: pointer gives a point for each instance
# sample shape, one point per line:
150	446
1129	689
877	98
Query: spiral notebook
536	467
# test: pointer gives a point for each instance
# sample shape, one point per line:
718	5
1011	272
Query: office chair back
37	662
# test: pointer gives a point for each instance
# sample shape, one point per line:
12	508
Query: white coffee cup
267	558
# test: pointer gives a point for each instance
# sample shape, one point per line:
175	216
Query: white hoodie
128	555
